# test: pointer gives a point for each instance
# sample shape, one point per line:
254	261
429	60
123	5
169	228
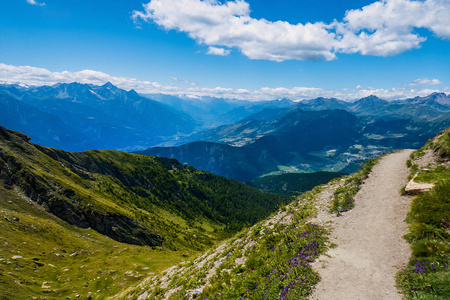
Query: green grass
427	275
442	146
343	196
68	259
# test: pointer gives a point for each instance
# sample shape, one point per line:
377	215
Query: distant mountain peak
371	97
437	94
438	100
109	85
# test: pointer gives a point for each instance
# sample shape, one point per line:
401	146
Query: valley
311	136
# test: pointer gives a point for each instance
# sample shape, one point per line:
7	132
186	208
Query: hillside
427	274
118	199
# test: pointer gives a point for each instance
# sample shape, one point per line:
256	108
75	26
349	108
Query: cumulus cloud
218	51
230	25
382	28
33	2
426	81
38	77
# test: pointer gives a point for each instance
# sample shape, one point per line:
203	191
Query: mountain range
78	116
314	135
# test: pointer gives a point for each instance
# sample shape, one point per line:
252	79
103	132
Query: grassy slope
427	275
271	260
71	260
189	209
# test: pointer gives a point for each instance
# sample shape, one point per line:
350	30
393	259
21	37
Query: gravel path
370	248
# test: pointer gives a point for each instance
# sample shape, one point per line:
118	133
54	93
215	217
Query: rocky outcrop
414	188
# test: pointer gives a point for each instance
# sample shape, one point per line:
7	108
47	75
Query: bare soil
369	248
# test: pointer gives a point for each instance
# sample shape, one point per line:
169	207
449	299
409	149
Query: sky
243	49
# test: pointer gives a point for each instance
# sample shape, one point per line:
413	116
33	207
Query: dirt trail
370	248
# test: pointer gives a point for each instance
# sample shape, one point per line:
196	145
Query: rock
16	219
143	296
197	291
15	257
45	285
414	188
8	220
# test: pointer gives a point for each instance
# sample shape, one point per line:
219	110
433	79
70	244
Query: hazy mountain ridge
106	116
212	112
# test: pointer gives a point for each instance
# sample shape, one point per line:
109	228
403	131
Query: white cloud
382	28
230	25
183	81
33	2
218	51
426	81
38	76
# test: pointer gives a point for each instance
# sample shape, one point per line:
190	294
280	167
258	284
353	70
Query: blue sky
261	49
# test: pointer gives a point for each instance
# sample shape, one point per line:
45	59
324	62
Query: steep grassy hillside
427	275
74	201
